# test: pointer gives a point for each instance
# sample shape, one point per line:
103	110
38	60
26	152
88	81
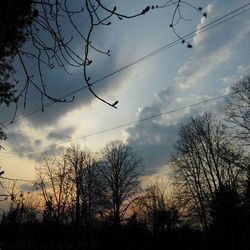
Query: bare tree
83	174
15	199
49	31
238	110
16	210
120	170
23	208
204	162
54	179
157	209
32	207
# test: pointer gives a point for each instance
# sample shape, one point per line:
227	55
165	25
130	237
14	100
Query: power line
123	125
137	61
145	172
16	179
206	27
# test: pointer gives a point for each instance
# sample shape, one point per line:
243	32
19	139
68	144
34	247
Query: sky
174	78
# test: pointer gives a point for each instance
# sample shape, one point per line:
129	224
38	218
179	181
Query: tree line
88	201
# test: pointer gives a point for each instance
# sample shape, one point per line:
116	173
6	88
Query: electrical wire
121	125
206	27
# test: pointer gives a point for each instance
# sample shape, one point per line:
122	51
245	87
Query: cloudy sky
174	78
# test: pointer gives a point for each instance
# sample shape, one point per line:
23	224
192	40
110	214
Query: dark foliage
59	236
6	93
225	210
15	15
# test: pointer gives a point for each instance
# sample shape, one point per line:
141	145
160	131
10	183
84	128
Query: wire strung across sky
16	179
210	25
218	21
119	126
145	172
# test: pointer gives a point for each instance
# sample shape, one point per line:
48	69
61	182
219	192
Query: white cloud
154	140
227	81
199	67
196	80
214	47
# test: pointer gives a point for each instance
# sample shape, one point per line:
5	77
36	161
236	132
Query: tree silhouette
205	161
85	194
246	205
14	17
14	214
226	214
53	177
238	110
119	170
225	210
156	209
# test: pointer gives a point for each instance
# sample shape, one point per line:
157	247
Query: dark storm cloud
154	142
161	101
59	83
61	134
27	187
154	139
24	146
20	143
49	151
38	142
53	150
